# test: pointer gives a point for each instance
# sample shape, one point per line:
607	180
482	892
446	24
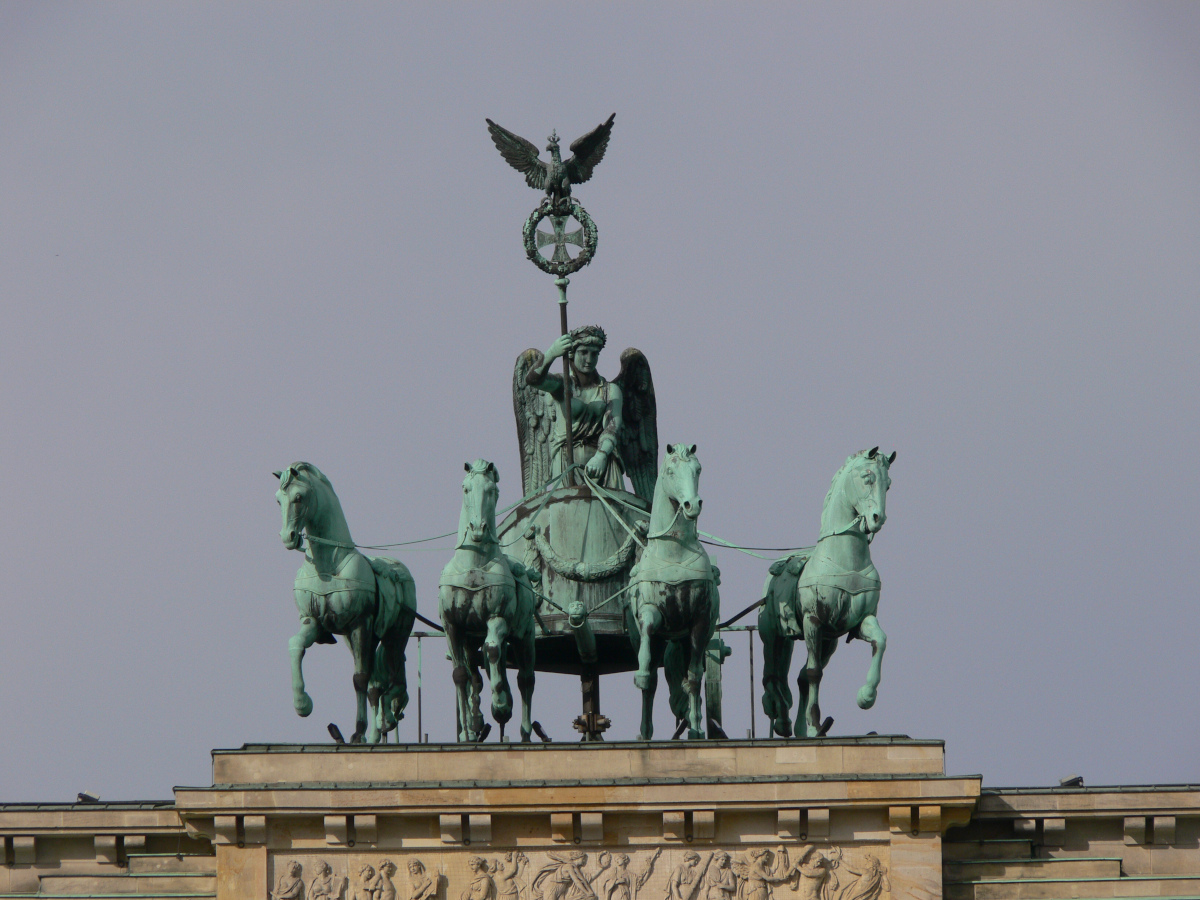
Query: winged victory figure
556	176
614	423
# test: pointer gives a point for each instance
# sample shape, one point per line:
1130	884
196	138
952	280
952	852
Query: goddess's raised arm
540	377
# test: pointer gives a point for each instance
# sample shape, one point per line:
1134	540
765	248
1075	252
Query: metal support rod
750	638
420	723
568	449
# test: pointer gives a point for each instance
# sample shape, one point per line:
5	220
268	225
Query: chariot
583	533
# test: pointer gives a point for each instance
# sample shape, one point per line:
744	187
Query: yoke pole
568	449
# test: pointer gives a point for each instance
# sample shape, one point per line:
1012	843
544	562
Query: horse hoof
640	681
694	734
866	697
304	705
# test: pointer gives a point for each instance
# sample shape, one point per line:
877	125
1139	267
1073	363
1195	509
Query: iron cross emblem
560	238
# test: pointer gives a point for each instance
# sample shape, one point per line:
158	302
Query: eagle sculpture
556	176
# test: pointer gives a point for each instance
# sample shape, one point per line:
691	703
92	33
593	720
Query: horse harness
496	573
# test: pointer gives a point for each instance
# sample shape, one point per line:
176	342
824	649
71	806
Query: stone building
831	819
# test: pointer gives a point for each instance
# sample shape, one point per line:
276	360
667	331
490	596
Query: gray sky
234	236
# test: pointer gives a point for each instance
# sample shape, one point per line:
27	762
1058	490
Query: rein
666	531
868	537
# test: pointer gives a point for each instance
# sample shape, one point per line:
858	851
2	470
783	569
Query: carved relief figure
758	872
603	878
325	885
682	883
290	885
815	876
384	889
624	885
422	886
720	882
564	878
506	874
482	887
872	880
365	888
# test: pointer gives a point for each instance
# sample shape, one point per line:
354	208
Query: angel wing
535	414
639	437
588	151
522	155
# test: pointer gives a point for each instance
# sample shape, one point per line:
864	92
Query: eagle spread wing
588	151
522	155
639	436
535	414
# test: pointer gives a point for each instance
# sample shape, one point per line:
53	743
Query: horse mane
480	467
680	451
307	468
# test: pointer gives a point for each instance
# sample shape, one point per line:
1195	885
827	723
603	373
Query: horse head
864	482
295	499
303	491
477	523
679	479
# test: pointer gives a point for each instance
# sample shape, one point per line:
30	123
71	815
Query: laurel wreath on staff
591	237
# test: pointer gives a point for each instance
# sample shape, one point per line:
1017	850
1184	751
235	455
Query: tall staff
568	447
556	176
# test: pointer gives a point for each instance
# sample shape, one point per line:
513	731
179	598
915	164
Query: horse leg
870	632
525	650
777	660
362	646
649	620
647	731
674	673
475	692
701	634
297	644
458	657
809	715
493	648
777	696
389	674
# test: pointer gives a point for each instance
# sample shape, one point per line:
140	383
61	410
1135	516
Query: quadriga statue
369	600
827	591
485	600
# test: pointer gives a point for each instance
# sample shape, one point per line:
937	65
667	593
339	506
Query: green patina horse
673	590
825	592
486	602
370	600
